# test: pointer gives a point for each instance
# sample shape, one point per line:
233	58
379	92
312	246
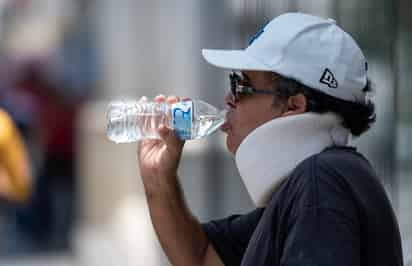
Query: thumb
170	138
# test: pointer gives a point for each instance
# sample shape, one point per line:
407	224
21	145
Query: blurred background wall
62	61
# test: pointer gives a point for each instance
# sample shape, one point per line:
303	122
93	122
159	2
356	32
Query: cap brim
233	59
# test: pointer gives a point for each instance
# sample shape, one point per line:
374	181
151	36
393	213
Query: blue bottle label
182	117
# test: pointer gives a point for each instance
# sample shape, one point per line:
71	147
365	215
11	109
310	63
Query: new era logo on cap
329	79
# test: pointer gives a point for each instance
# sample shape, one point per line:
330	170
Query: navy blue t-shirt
331	211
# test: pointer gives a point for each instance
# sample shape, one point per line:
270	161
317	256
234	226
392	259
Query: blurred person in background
47	220
15	178
15	168
300	94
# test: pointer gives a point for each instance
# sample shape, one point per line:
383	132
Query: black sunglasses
236	89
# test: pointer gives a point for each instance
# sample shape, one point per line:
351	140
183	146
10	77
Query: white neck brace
270	152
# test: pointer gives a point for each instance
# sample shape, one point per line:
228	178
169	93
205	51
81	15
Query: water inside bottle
207	119
206	124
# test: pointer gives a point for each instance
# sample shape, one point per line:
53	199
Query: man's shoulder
326	179
335	158
346	161
331	168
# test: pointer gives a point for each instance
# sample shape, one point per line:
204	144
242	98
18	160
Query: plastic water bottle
129	121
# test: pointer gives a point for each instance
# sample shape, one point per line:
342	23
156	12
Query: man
300	94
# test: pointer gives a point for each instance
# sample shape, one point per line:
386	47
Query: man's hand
179	232
159	159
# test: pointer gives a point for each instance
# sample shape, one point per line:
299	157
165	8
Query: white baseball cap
311	50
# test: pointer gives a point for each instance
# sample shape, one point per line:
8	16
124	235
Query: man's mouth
225	127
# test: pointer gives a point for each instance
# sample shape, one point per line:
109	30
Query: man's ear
296	104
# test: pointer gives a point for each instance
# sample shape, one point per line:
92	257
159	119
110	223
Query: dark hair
357	117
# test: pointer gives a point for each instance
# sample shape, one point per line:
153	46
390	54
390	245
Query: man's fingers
172	99
170	138
163	132
166	134
160	98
